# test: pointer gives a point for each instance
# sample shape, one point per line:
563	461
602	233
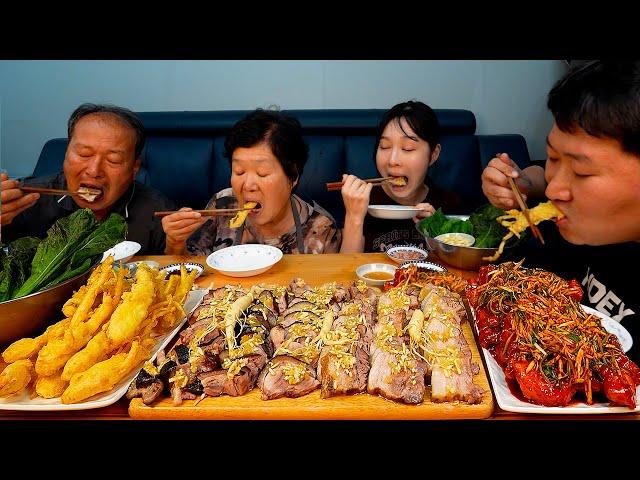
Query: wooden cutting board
315	269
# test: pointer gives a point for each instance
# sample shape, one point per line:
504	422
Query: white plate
244	260
392	212
611	326
507	401
23	402
122	251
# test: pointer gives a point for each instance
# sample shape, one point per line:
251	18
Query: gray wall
36	97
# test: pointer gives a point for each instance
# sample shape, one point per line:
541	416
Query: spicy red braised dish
532	323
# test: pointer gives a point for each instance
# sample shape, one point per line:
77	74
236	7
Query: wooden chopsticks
51	191
333	186
523	206
207	213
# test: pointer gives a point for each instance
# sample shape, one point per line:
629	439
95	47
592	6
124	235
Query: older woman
267	155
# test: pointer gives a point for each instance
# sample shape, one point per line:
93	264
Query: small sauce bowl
376	274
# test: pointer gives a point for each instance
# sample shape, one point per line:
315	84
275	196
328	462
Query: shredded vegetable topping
550	329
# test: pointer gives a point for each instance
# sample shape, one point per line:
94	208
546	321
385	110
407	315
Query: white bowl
174	268
463	237
392	212
244	260
362	270
122	251
412	253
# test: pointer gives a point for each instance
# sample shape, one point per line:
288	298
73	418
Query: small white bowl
362	270
414	253
174	268
468	240
122	252
244	260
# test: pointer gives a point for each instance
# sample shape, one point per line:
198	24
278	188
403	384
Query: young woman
267	154
407	144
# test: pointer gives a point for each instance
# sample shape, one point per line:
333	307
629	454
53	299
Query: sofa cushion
180	167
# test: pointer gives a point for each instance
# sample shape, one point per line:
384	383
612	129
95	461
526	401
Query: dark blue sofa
184	158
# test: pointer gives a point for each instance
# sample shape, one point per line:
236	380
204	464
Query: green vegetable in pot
15	265
72	246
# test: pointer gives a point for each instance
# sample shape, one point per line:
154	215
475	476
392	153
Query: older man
105	143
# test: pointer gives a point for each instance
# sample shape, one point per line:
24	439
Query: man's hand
495	184
13	201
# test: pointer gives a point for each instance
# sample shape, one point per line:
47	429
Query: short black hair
283	133
127	117
420	117
602	98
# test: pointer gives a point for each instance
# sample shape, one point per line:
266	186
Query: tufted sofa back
184	153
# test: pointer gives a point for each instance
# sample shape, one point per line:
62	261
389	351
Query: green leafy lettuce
438	223
15	265
482	224
72	246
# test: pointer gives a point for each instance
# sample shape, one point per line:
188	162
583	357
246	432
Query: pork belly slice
396	373
344	364
396	376
447	351
285	376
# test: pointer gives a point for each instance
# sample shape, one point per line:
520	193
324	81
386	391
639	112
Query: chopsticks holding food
207	213
523	206
333	186
88	194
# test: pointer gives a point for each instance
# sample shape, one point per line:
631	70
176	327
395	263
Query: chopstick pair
333	186
207	213
55	191
523	206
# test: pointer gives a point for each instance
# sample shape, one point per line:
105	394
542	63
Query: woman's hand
426	210
178	227
355	195
13	201
495	184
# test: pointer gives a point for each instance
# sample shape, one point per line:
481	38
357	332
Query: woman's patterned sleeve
323	236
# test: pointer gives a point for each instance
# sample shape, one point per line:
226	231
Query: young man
592	175
105	143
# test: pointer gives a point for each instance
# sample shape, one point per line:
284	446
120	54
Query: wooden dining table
316	270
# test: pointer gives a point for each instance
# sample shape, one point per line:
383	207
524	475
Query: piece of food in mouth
516	222
398	181
88	194
241	216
